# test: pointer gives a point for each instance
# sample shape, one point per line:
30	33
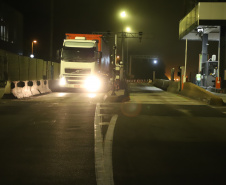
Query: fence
21	68
16	69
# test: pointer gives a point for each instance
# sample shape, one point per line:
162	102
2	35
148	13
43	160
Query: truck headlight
62	81
92	83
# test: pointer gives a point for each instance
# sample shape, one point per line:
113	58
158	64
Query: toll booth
209	73
207	22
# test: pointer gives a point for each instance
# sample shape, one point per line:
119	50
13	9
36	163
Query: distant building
11	29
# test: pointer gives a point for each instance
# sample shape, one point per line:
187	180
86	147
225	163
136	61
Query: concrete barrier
21	89
167	85
34	88
24	89
190	90
193	91
43	87
173	87
162	84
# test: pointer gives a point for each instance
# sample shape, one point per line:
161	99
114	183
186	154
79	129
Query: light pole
32	48
127	61
123	15
154	63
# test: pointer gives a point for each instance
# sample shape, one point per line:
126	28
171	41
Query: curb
119	97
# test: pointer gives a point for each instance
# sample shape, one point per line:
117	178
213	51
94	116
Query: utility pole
51	30
115	60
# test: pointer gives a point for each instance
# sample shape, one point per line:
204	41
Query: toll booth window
4	35
212	68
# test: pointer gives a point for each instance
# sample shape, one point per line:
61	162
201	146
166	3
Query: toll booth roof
205	18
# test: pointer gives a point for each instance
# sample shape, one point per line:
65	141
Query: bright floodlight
63	81
32	56
35	41
92	95
155	62
92	83
123	14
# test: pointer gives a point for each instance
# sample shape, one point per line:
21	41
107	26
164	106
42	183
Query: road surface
155	138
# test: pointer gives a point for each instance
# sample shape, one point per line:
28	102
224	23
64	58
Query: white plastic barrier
24	89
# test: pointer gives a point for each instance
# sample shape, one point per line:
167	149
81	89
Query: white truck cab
80	60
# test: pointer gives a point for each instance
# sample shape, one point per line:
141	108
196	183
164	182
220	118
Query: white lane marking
103	150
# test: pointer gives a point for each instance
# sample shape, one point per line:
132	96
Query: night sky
158	20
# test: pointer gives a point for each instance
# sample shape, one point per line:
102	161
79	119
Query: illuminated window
4	35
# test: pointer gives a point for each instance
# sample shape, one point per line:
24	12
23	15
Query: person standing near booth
198	79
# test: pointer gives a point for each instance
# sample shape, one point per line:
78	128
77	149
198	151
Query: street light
123	14
32	48
154	62
128	29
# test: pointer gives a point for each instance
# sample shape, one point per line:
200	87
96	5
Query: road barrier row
139	81
24	89
190	90
21	76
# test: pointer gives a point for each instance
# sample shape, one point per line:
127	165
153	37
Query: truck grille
74	82
77	71
75	79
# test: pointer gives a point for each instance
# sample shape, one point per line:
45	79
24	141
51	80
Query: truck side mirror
58	54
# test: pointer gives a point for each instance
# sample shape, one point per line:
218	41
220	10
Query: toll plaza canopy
207	21
205	17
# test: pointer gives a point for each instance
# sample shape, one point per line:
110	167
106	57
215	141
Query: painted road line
103	150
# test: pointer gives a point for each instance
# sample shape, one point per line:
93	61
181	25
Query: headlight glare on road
92	83
62	81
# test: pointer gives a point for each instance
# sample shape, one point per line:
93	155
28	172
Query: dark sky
158	20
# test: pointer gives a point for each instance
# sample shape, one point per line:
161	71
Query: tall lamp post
32	48
154	69
123	15
127	54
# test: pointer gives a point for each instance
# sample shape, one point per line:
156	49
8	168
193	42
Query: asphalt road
162	138
47	139
68	138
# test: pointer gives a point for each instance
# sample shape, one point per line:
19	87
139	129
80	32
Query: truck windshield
78	54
